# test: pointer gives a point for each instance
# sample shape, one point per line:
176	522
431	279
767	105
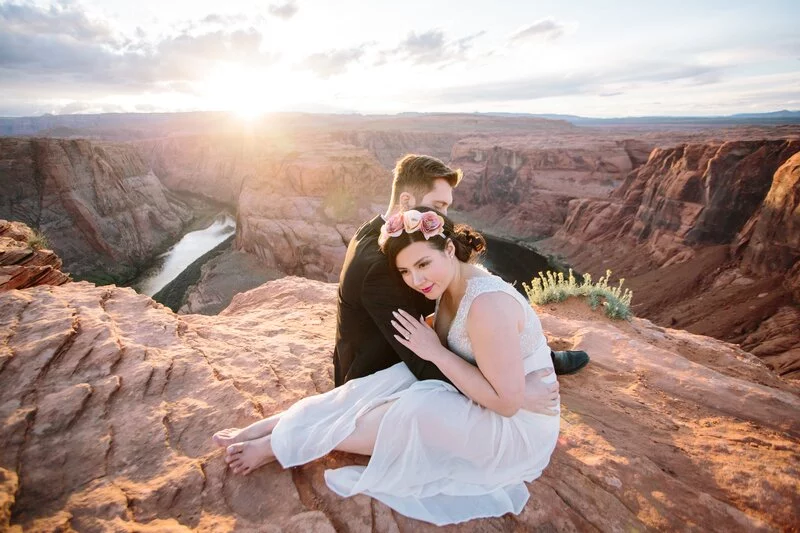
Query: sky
588	58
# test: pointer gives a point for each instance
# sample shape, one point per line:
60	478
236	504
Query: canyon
689	225
102	208
531	184
686	417
109	400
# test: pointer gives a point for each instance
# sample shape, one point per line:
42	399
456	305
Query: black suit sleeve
381	294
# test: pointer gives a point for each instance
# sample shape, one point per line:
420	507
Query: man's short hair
416	174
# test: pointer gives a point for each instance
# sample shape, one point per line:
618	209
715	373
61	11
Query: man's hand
541	397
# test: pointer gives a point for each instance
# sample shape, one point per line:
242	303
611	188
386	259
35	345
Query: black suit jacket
369	290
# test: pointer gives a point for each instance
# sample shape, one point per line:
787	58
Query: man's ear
407	201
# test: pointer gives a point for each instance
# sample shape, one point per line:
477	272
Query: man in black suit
369	290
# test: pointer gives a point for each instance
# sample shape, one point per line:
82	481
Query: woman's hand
416	335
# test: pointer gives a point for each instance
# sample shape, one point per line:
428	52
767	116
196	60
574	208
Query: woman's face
425	268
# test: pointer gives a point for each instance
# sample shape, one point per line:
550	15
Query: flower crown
429	223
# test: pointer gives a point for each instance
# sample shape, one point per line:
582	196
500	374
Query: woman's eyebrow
420	260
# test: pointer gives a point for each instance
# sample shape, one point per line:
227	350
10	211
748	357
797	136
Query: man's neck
392	210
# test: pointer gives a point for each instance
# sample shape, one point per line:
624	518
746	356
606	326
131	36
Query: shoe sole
578	369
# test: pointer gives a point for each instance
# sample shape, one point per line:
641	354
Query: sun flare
246	92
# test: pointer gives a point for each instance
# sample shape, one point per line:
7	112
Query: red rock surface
108	401
99	205
22	266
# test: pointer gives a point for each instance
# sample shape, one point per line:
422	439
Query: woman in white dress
437	454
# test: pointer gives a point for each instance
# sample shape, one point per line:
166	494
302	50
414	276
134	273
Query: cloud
332	63
587	82
75	107
429	48
547	29
285	11
60	45
63	19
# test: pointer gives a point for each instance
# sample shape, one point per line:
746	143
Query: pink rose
431	224
393	227
411	220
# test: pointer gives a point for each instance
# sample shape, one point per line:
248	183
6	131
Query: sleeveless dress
439	457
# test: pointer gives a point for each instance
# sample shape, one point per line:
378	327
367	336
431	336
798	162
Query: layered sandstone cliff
389	146
102	208
298	201
23	263
707	237
521	186
109	401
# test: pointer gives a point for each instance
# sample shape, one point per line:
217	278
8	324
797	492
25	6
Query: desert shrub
555	287
38	241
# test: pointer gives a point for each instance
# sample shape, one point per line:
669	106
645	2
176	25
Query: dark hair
469	243
416	174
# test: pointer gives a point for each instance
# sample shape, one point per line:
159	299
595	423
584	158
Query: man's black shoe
569	362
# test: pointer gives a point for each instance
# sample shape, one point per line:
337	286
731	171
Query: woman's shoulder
491	294
481	280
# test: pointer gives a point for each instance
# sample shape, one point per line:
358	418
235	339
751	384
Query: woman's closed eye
420	266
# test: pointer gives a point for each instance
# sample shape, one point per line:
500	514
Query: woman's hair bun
469	243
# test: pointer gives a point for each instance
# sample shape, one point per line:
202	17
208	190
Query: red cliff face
770	241
389	146
298	200
707	236
100	206
23	264
522	186
683	197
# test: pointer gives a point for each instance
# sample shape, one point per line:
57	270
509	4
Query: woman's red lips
427	289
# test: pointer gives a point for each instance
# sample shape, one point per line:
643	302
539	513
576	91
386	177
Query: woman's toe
234	449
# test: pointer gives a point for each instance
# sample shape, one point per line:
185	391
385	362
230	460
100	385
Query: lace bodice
535	352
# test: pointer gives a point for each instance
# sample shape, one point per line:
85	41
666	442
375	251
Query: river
514	263
175	260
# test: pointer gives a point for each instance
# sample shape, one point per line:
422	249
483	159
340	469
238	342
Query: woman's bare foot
256	430
244	457
226	437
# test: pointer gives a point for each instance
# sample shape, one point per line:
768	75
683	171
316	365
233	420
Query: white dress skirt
439	456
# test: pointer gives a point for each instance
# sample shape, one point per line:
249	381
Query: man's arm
381	295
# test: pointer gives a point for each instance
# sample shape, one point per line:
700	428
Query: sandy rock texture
108	401
706	235
101	207
22	265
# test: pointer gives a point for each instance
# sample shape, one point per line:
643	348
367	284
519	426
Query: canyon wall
521	186
706	236
103	210
389	146
298	200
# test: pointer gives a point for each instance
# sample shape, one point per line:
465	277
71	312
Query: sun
247	92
